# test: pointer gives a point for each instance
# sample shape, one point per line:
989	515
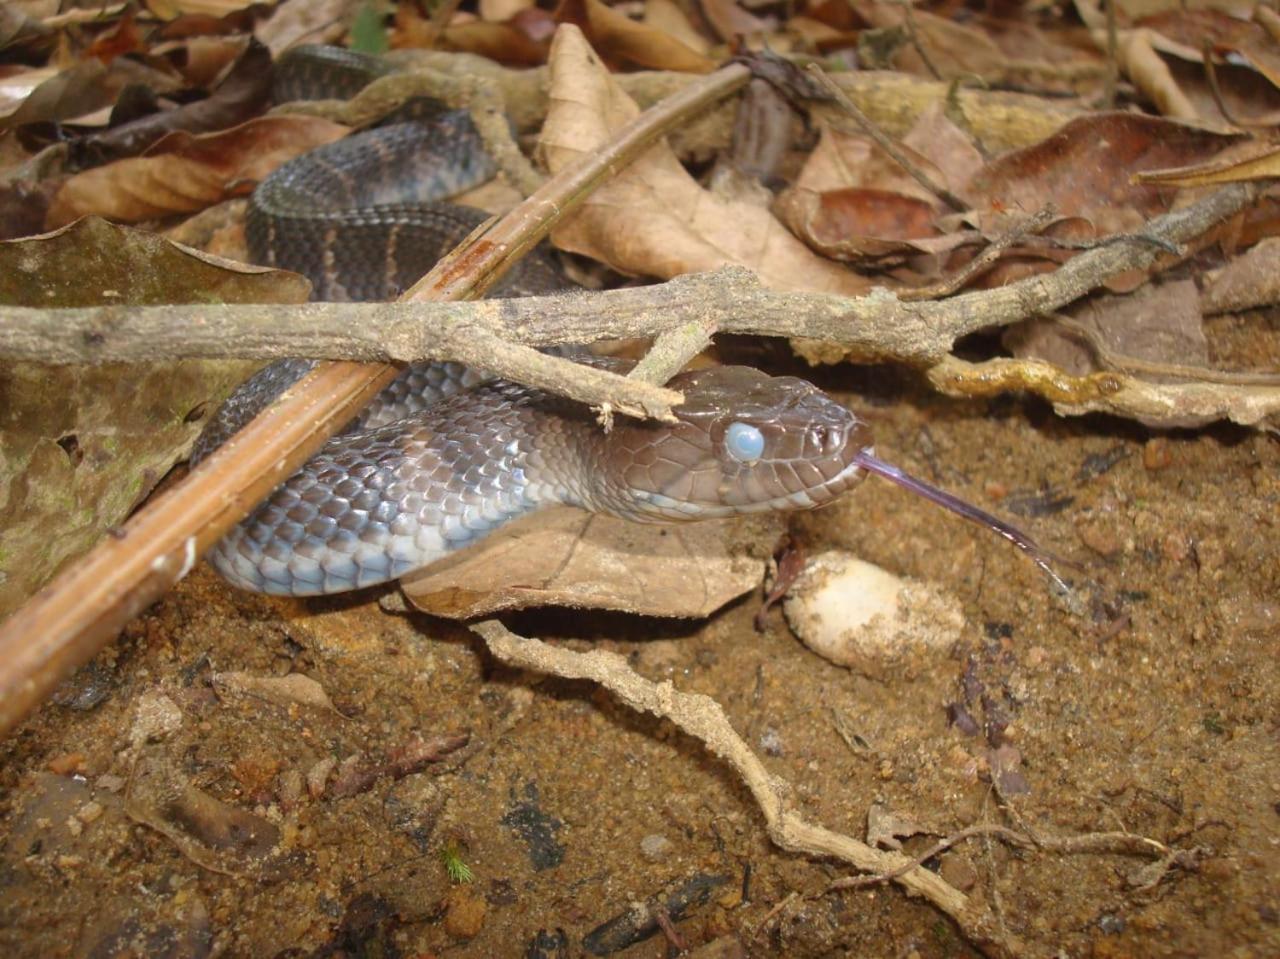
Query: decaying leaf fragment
653	218
80	446
1157	324
565	557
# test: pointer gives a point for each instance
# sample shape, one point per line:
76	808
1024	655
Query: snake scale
444	456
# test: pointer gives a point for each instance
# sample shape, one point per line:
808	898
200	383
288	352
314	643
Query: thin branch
82	609
987	258
878	326
1118	843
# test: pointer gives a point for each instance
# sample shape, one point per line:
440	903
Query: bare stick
81	610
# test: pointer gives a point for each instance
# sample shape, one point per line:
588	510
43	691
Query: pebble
958	873
858	615
656	848
1156	454
464	913
1100	536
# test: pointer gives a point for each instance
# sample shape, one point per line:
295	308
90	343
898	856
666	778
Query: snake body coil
441	459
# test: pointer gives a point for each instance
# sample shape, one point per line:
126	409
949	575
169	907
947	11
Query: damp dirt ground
172	804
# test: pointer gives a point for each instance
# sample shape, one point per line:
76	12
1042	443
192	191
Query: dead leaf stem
74	616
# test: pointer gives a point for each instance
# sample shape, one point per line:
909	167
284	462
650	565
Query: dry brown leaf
316	21
954	49
669	17
565	557
1249	281
859	224
1085	169
852	201
1188	30
1136	9
1157	323
618	38
182	173
170	9
653	218
951	150
501	42
500	11
82	445
847	160
86	87
730	21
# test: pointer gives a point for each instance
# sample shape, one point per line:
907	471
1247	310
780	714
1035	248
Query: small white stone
858	615
655	848
157	716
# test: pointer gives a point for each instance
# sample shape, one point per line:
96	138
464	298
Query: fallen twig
704	719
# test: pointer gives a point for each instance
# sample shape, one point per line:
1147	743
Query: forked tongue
1040	556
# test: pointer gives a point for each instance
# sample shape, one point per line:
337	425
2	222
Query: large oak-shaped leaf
653	218
182	173
80	446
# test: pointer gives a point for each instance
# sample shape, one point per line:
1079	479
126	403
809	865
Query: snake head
744	442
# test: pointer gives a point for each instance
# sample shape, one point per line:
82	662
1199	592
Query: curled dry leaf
1247	161
242	94
82	445
498	11
955	49
564	557
85	88
1185	32
183	173
730	21
852	201
653	218
669	17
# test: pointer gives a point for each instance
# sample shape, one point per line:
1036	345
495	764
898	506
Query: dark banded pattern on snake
417	478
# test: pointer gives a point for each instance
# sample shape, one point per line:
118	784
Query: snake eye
744	442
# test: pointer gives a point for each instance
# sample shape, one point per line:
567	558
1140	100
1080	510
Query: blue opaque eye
744	442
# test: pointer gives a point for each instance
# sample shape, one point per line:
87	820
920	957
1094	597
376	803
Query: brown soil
152	813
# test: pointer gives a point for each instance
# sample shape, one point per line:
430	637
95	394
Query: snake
446	455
